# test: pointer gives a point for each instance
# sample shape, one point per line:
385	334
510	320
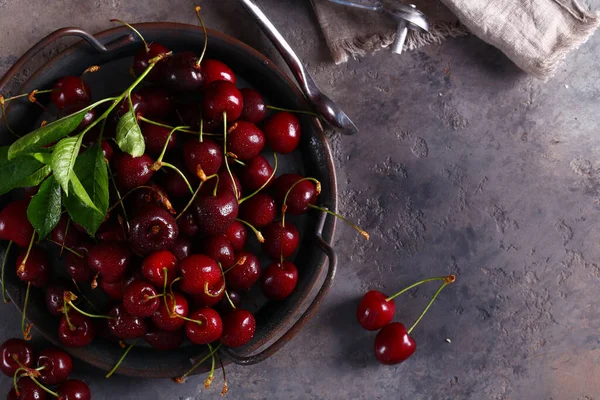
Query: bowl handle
308	313
53	37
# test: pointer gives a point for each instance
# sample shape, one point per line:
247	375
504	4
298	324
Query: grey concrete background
463	165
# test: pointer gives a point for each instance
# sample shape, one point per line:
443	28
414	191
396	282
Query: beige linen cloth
535	34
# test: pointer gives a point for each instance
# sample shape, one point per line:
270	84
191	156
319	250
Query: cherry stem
149	121
62	245
5	118
264	184
224	285
163	199
284	206
70	303
294	111
214	192
84	296
235	189
217	294
211	375
120	199
194	196
225	388
448	280
182	377
437	278
201	135
156	296
43	387
70	250
30	96
112	371
165	273
259	235
239	162
2	272
16	377
363	233
205	37
164	150
168	165
25	328
135	31
66	312
24	262
239	262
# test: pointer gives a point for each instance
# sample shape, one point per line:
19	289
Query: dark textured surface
463	165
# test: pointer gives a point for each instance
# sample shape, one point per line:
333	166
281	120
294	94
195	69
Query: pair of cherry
376	310
32	375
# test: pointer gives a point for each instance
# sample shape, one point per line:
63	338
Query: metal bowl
112	50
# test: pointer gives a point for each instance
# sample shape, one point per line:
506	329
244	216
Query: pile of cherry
34	376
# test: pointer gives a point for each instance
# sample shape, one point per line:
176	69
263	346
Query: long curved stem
26	329
182	377
3	264
284	206
294	111
259	235
112	371
205	37
211	375
448	280
264	184
406	289
88	314
235	189
363	233
168	165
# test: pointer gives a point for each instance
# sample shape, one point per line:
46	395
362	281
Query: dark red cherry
156	136
29	390
199	271
55	297
374	311
142	58
187	225
124	325
107	150
182	74
206	155
12	394
109	260
259	210
243	275
78	268
114	290
152	229
14	224
139	108
255	108
74	389
174	184
208	327
37	267
164	341
214	71
280	241
158	103
238	328
70	91
57	366
215	214
283	132
222	97
303	194
82	333
256	173
191	115
140	299
152	195
65	233
237	235
89	116
279	280
219	249
393	344
153	265
245	140
224	306
167	319
225	184
113	229
182	247
133	171
15	347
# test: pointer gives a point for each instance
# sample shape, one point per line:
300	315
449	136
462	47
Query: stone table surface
463	165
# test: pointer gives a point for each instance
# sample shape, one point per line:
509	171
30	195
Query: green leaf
81	193
84	215
44	157
14	171
36	178
45	208
47	134
63	160
91	169
129	135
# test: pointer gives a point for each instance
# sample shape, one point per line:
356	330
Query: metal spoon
324	106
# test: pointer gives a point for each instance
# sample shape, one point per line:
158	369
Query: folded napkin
535	34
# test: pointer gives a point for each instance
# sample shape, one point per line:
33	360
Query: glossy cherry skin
206	155
114	290
245	140
243	275
182	247
215	214
182	74
215	70
153	195
153	264
165	319
158	103
156	136
29	390
374	312
152	229
109	260
78	267
279	280
237	235
219	249
137	299
393	344
259	210
15	347
14	224
255	108
197	271
208	328
65	233
238	328
57	366
283	132
222	97
164	341
112	229
216	294
124	325
174	183
55	297
70	91
303	194
37	267
133	171
280	241
142	58
81	336
74	389
187	224
224	307
258	172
